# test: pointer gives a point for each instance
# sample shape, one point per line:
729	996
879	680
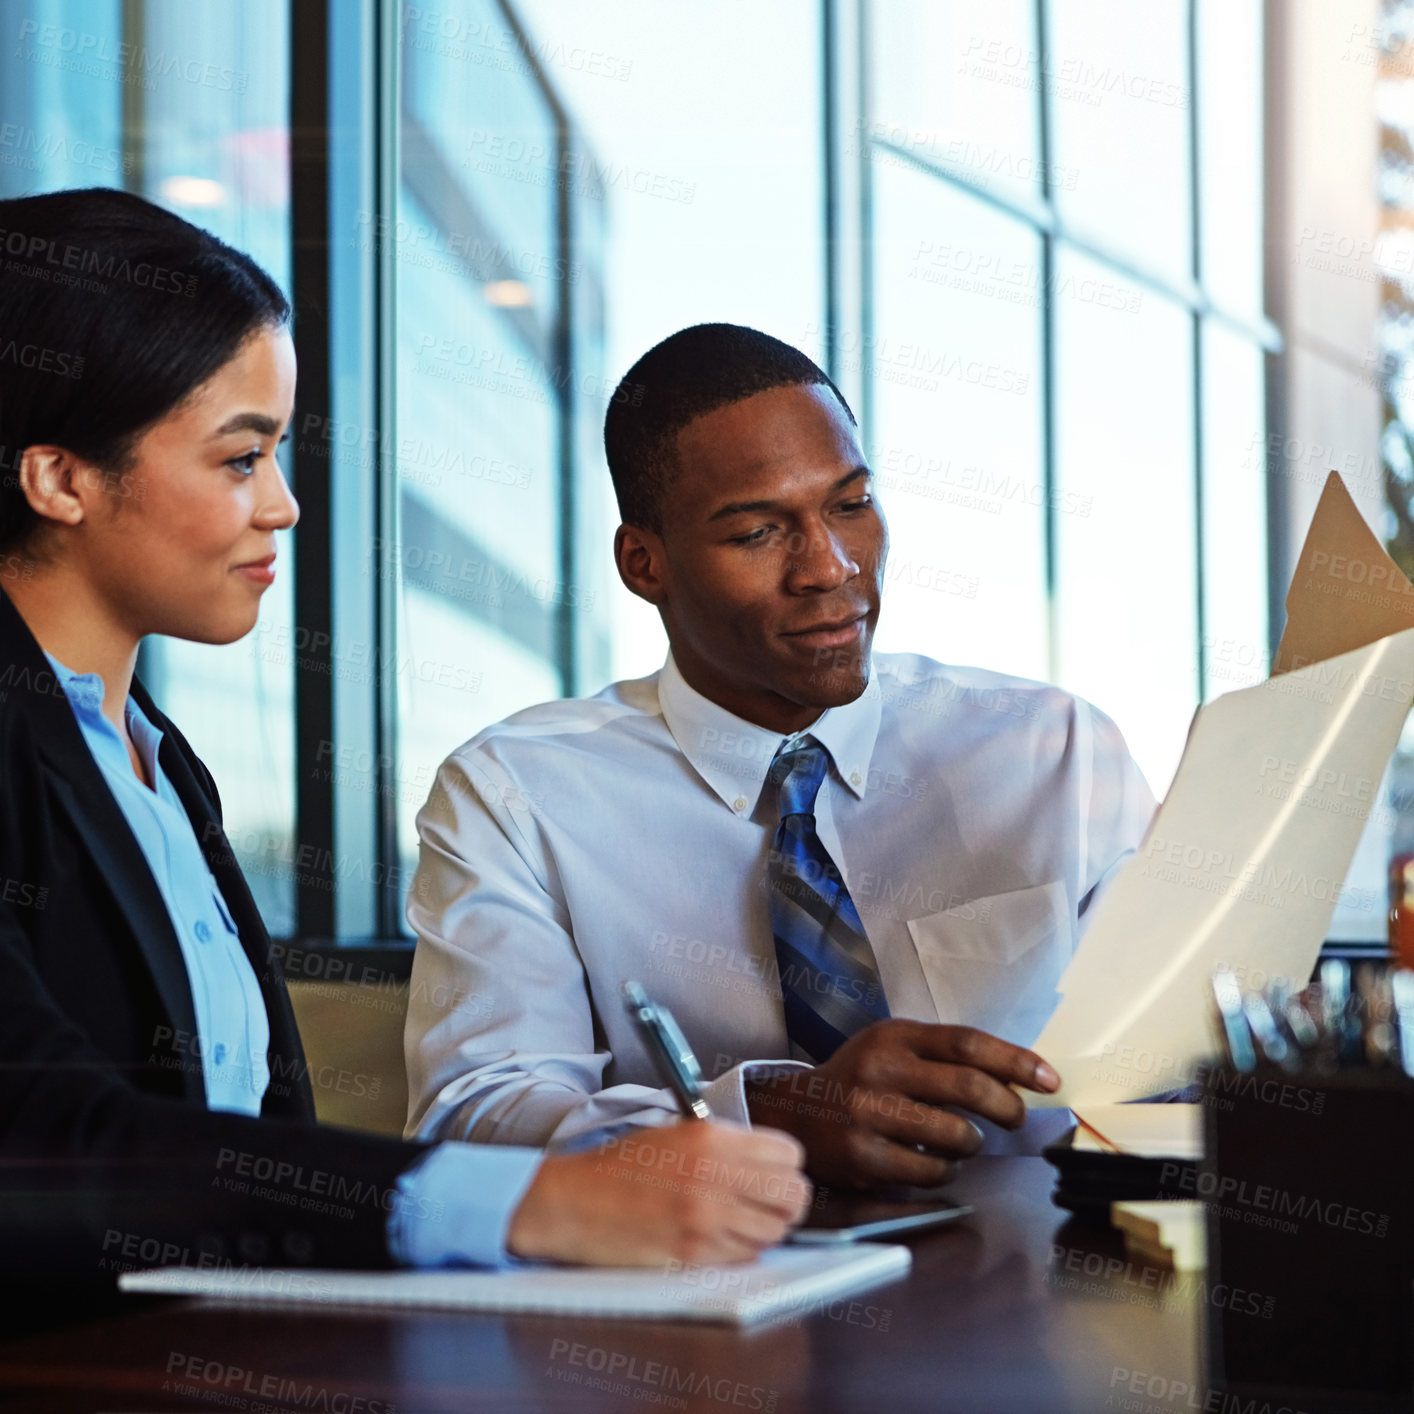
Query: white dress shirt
585	842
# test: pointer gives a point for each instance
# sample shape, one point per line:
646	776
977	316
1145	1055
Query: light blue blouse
455	1204
232	1029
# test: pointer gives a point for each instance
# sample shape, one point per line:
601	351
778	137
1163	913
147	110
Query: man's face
771	557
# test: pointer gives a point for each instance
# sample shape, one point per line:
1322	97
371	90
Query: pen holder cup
1307	1184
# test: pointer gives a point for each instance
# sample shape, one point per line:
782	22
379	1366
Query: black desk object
1307	1182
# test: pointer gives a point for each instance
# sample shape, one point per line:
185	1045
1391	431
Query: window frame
850	217
345	117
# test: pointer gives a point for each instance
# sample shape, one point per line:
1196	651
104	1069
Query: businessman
854	878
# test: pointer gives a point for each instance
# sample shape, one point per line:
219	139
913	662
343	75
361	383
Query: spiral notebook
786	1281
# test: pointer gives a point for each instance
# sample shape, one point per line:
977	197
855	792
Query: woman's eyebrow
248	422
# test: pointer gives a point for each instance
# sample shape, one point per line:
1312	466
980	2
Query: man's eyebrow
248	422
736	508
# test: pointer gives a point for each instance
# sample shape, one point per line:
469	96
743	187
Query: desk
999	1314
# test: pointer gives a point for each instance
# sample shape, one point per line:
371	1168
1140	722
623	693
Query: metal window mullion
387	580
1195	233
1277	202
133	144
563	364
866	230
829	112
1044	219
845	155
1047	236
309	266
134	102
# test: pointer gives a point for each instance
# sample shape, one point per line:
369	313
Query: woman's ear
54	482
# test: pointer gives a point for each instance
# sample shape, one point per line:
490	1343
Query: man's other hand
873	1112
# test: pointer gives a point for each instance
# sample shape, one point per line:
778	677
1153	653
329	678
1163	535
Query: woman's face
184	544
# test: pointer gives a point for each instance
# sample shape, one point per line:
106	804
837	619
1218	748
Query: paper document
1243	864
785	1281
1147	1131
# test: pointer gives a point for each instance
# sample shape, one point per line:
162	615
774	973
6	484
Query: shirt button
203	933
219	1054
739	803
855	778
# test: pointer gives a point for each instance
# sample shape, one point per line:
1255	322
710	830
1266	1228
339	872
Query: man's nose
819	560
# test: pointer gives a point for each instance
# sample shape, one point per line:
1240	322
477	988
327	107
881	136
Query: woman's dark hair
112	311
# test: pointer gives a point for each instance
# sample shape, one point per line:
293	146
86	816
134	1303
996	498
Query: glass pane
455	675
954	82
702	125
1235	458
1119	105
213	144
188	106
62	119
1127	568
479	279
596	587
1229	65
478	150
476	420
957	449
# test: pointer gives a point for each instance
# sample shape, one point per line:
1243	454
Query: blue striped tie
829	980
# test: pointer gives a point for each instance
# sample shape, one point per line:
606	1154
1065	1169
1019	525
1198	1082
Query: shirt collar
85	693
733	756
84	690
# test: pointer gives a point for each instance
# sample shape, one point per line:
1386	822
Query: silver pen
664	1039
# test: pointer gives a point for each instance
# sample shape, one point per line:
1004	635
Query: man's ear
642	564
54	482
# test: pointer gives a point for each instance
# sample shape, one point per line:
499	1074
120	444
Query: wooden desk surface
1018	1311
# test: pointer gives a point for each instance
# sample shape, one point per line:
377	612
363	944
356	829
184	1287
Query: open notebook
786	1281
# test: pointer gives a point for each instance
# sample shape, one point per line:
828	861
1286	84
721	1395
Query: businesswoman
154	1102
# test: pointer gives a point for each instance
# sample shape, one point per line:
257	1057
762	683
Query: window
958	450
188	106
1062	309
479	406
999	223
442	247
477	230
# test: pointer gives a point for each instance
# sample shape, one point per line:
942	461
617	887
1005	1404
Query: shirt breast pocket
994	962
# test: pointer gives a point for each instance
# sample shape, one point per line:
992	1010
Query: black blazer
109	1158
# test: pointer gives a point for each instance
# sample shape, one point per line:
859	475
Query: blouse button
203	933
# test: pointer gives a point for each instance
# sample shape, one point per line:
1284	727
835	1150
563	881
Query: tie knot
797	774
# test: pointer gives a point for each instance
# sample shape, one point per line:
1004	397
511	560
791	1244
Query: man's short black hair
692	372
